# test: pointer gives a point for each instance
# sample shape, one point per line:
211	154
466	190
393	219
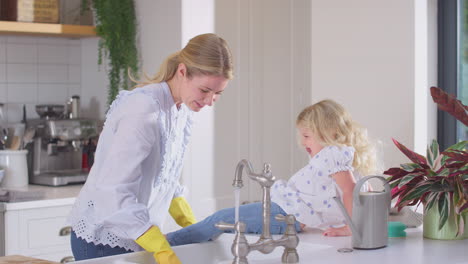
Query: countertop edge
36	204
47	196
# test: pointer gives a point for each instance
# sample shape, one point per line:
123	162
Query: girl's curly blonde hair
333	126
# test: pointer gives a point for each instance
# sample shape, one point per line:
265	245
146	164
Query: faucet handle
290	252
267	170
289	219
239	226
240	246
224	226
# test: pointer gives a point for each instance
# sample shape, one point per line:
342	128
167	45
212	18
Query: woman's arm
120	172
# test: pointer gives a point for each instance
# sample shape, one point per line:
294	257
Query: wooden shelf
43	29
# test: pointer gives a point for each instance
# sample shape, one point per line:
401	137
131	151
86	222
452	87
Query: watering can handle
357	188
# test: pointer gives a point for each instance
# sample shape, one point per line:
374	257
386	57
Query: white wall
94	81
159	31
425	47
255	120
365	55
49	70
364	59
37	70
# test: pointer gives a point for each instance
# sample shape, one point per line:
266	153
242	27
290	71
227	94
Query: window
462	130
452	65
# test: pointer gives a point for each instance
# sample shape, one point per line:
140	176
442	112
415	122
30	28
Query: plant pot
448	231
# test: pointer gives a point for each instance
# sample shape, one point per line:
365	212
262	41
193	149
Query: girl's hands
341	231
302	226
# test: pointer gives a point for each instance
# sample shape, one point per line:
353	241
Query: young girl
340	153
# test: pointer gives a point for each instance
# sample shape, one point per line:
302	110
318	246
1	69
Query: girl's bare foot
341	231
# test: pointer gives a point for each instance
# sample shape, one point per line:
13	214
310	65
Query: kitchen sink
218	251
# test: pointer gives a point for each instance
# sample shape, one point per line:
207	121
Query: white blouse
308	194
137	167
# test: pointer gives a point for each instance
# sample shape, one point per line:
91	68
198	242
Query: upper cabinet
43	29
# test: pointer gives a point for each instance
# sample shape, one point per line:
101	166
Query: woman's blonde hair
333	126
206	54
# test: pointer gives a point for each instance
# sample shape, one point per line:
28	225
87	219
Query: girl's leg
250	214
202	231
84	250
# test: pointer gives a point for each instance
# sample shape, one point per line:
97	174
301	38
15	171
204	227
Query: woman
134	181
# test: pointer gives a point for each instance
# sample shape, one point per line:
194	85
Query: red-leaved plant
440	177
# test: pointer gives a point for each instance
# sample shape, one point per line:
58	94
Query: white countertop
46	196
315	248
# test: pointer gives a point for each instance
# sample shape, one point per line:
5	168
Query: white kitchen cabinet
2	232
38	232
38	228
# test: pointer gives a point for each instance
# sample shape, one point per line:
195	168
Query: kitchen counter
46	196
23	259
315	248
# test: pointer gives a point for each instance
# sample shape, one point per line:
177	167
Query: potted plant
439	181
117	26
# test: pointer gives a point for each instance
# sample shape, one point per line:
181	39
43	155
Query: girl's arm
346	182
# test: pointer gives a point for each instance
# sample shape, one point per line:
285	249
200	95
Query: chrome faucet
266	244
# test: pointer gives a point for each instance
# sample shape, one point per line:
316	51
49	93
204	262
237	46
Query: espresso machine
56	154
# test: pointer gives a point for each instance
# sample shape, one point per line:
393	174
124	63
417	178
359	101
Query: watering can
370	215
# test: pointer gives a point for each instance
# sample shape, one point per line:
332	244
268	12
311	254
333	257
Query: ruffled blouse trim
177	140
341	168
91	232
334	158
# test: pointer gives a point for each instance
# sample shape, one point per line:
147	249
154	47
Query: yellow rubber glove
181	212
154	241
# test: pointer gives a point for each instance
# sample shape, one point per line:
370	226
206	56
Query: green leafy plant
117	26
439	178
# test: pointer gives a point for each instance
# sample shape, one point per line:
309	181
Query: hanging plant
116	25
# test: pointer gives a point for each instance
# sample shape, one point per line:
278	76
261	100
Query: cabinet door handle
67	259
65	231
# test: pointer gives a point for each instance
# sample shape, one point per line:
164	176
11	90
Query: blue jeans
250	214
84	250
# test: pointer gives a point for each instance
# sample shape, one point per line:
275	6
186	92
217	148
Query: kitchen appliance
55	156
73	107
2	173
50	110
3	131
370	215
1	114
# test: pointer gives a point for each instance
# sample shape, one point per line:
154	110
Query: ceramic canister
15	166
